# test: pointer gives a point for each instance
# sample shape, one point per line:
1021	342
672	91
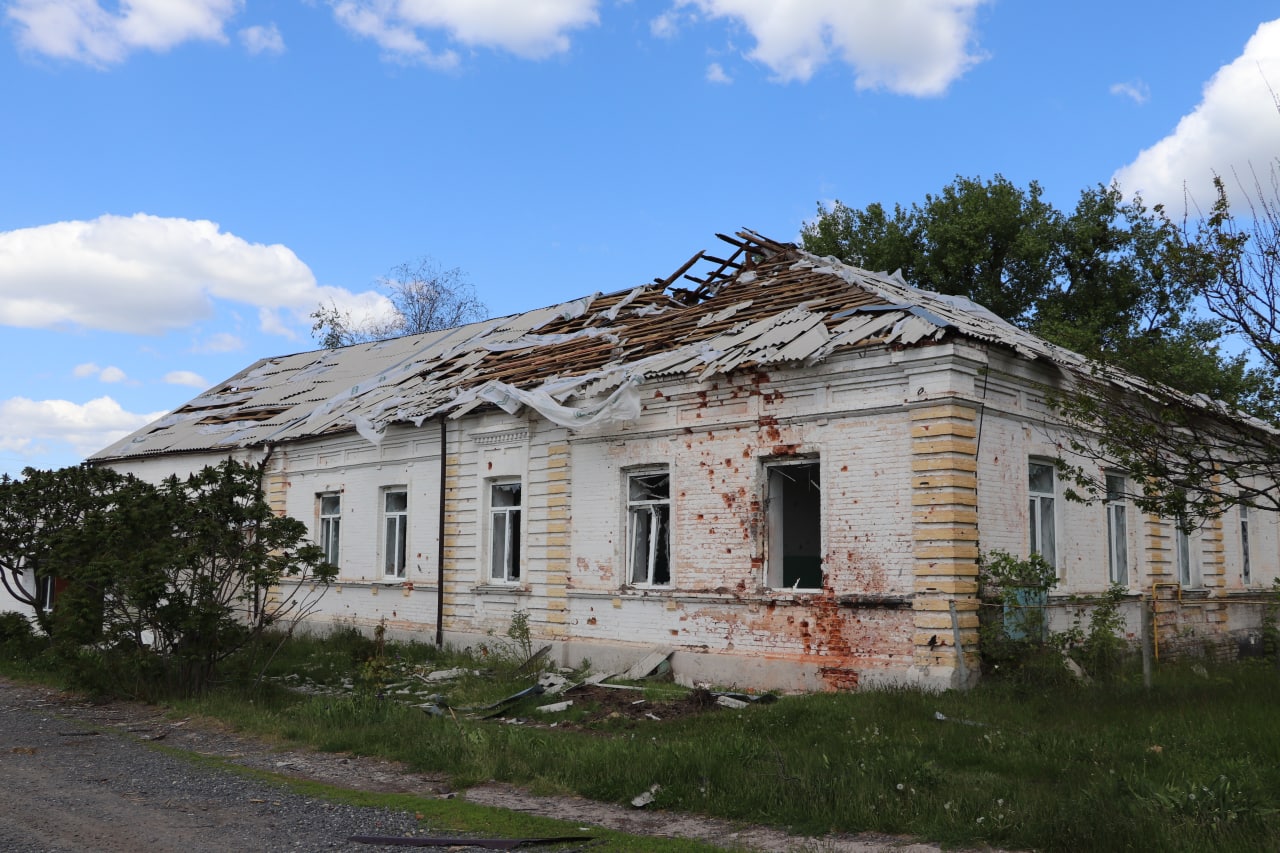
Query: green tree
40	513
165	581
1106	280
1194	455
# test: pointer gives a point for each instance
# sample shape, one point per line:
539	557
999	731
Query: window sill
500	589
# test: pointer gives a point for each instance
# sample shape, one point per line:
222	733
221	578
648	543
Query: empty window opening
1043	531
649	528
504	531
794	508
1117	529
396	522
330	526
1245	569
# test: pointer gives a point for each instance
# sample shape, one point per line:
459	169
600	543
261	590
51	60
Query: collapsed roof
579	363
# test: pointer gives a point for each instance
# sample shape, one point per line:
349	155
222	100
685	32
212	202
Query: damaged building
778	466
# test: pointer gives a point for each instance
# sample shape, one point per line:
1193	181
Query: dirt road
86	777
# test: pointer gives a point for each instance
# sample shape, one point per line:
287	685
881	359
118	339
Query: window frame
395	553
510	515
1036	521
1117	509
1184	558
329	527
1246	568
775	568
652	510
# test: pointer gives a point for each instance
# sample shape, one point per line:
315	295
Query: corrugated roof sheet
579	362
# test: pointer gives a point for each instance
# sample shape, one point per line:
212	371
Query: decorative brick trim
944	497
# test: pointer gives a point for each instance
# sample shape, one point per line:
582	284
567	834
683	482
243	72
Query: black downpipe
440	541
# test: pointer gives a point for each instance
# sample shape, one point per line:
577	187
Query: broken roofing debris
580	363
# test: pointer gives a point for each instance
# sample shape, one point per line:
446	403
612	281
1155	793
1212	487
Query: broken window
1245	569
504	531
649	528
793	505
396	523
1117	529
330	525
1042	486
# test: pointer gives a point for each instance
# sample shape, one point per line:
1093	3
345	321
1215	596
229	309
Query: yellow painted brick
561	449
954	552
945	463
930	603
941	532
945	569
557	618
953	587
557	476
950	410
968	638
944	480
558	489
945	516
942	621
944	445
941	428
944	499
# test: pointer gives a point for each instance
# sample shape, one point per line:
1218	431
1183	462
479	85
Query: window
1041	487
395	514
1117	529
1245	568
504	531
330	525
793	506
45	593
1188	571
649	528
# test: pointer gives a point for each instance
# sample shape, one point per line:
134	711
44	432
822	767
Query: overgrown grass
1192	764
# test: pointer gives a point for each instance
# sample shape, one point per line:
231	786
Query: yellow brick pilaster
944	500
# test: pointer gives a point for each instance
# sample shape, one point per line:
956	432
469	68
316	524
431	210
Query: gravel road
72	785
87	778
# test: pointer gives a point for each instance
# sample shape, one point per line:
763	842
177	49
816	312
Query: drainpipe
440	541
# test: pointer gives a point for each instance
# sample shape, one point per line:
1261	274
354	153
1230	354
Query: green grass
1192	764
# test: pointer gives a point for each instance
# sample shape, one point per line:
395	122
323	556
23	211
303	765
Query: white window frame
329	527
775	562
645	516
1043	514
1117	508
503	559
1246	569
395	534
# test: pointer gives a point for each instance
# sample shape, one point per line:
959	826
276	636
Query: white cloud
83	31
259	39
715	74
666	25
31	426
1234	129
910	47
186	377
1136	90
219	343
532	30
104	374
145	274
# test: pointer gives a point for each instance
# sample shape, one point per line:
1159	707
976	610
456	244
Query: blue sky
183	181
